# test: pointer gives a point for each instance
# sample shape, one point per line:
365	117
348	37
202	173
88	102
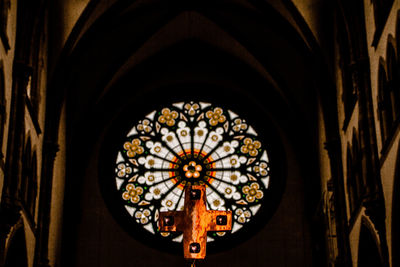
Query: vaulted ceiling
127	58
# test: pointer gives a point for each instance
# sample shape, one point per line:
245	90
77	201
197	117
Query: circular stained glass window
192	143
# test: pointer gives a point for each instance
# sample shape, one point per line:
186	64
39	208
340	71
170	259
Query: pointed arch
396	214
398	35
393	77
369	253
381	11
354	173
384	103
349	96
350	188
32	185
26	158
28	187
2	106
16	254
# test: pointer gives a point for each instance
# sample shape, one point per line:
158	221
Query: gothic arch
381	11
349	95
369	253
28	186
2	106
354	173
393	72
350	187
96	92
32	185
26	167
396	214
397	37
16	252
384	102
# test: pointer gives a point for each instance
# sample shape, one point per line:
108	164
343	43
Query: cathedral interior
299	100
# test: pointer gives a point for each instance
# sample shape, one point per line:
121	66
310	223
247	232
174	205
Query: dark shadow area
16	253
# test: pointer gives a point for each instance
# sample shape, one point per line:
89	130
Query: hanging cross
195	221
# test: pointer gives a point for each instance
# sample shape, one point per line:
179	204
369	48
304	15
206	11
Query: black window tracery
184	143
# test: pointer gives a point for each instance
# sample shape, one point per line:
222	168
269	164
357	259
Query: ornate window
191	143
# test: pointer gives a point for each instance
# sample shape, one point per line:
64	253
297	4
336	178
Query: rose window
192	143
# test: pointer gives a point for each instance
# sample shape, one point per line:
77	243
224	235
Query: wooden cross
195	221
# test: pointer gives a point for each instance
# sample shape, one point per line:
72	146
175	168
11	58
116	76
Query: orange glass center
192	169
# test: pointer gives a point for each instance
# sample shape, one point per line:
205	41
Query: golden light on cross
195	221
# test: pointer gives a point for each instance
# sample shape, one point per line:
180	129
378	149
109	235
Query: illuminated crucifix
195	221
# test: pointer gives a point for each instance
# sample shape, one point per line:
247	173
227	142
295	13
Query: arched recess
26	173
350	179
393	72
28	187
381	10
384	103
16	252
369	253
396	214
397	36
349	95
32	186
124	30
355	180
2	107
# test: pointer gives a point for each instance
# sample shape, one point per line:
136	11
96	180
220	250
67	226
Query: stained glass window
192	143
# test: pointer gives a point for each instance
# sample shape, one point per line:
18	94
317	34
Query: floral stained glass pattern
188	144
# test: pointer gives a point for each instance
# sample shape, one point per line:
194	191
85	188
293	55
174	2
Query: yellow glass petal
250	198
161	119
170	122
253	153
246	189
125	196
139	190
165	111
255	186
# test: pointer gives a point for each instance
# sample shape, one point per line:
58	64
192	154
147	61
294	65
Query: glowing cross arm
220	220
194	221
